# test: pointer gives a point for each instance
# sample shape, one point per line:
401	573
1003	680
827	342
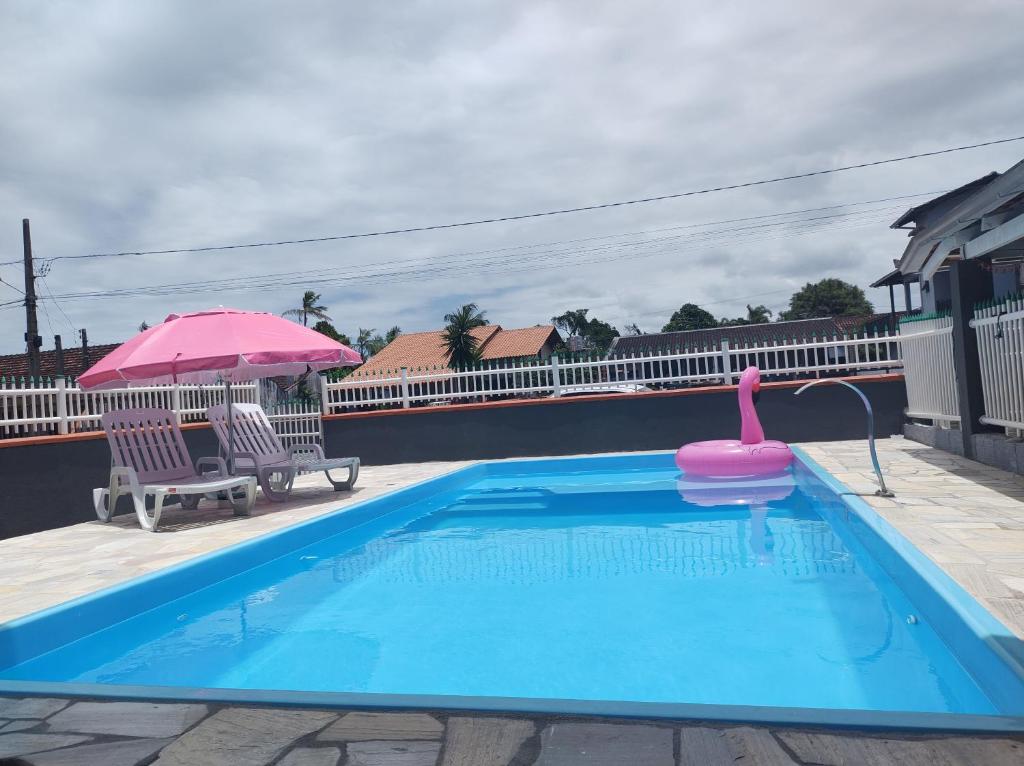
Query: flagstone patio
61	732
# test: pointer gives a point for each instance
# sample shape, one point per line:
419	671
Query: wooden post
32	339
556	382
85	350
59	353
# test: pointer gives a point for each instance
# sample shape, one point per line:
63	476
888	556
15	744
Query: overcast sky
152	125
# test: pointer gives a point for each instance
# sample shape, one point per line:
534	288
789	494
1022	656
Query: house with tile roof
425	350
69	362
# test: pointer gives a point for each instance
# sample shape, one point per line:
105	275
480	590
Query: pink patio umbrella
217	346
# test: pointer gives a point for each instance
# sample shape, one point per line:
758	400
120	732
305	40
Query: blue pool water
580	580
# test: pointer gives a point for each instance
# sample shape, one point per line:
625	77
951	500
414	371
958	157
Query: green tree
829	297
690	316
576	323
600	334
634	329
310	308
393	333
461	347
326	328
573	322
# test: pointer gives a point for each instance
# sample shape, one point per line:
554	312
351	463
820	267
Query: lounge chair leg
101	502
345	486
243	505
146	521
277	491
190	502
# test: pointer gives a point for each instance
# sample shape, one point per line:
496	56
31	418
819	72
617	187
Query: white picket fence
1000	330
927	349
536	377
297	423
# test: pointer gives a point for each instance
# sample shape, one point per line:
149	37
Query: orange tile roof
526	341
426	349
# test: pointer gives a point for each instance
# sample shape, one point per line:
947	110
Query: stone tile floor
967	517
48	568
60	732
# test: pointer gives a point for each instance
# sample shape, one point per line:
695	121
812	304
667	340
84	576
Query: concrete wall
48	483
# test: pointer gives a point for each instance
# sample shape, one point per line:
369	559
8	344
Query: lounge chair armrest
257	460
316	449
124	474
218	462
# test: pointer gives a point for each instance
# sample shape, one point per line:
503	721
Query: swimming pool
569	585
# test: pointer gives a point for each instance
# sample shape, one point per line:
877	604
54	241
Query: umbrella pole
231	427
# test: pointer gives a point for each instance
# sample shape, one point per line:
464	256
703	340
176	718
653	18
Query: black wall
44	486
628	423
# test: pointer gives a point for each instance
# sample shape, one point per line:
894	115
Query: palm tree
310	308
393	333
758	314
461	347
364	343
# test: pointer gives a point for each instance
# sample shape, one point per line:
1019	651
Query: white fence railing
36	408
1000	330
927	349
297	423
554	376
56	407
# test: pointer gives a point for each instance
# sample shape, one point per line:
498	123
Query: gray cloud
148	125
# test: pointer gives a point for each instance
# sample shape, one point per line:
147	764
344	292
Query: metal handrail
883	491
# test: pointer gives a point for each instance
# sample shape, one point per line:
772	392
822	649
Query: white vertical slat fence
926	347
1000	329
297	423
554	376
51	406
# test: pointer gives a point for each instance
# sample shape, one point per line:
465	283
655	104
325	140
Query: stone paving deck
78	733
967	517
47	568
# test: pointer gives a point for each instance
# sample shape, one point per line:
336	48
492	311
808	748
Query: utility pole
32	339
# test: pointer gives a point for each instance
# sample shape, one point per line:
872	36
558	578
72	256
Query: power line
548	213
49	292
275	282
13	287
352	272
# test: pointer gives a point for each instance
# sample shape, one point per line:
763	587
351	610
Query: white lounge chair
149	458
259	452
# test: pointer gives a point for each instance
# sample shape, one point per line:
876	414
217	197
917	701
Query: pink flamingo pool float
752	455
